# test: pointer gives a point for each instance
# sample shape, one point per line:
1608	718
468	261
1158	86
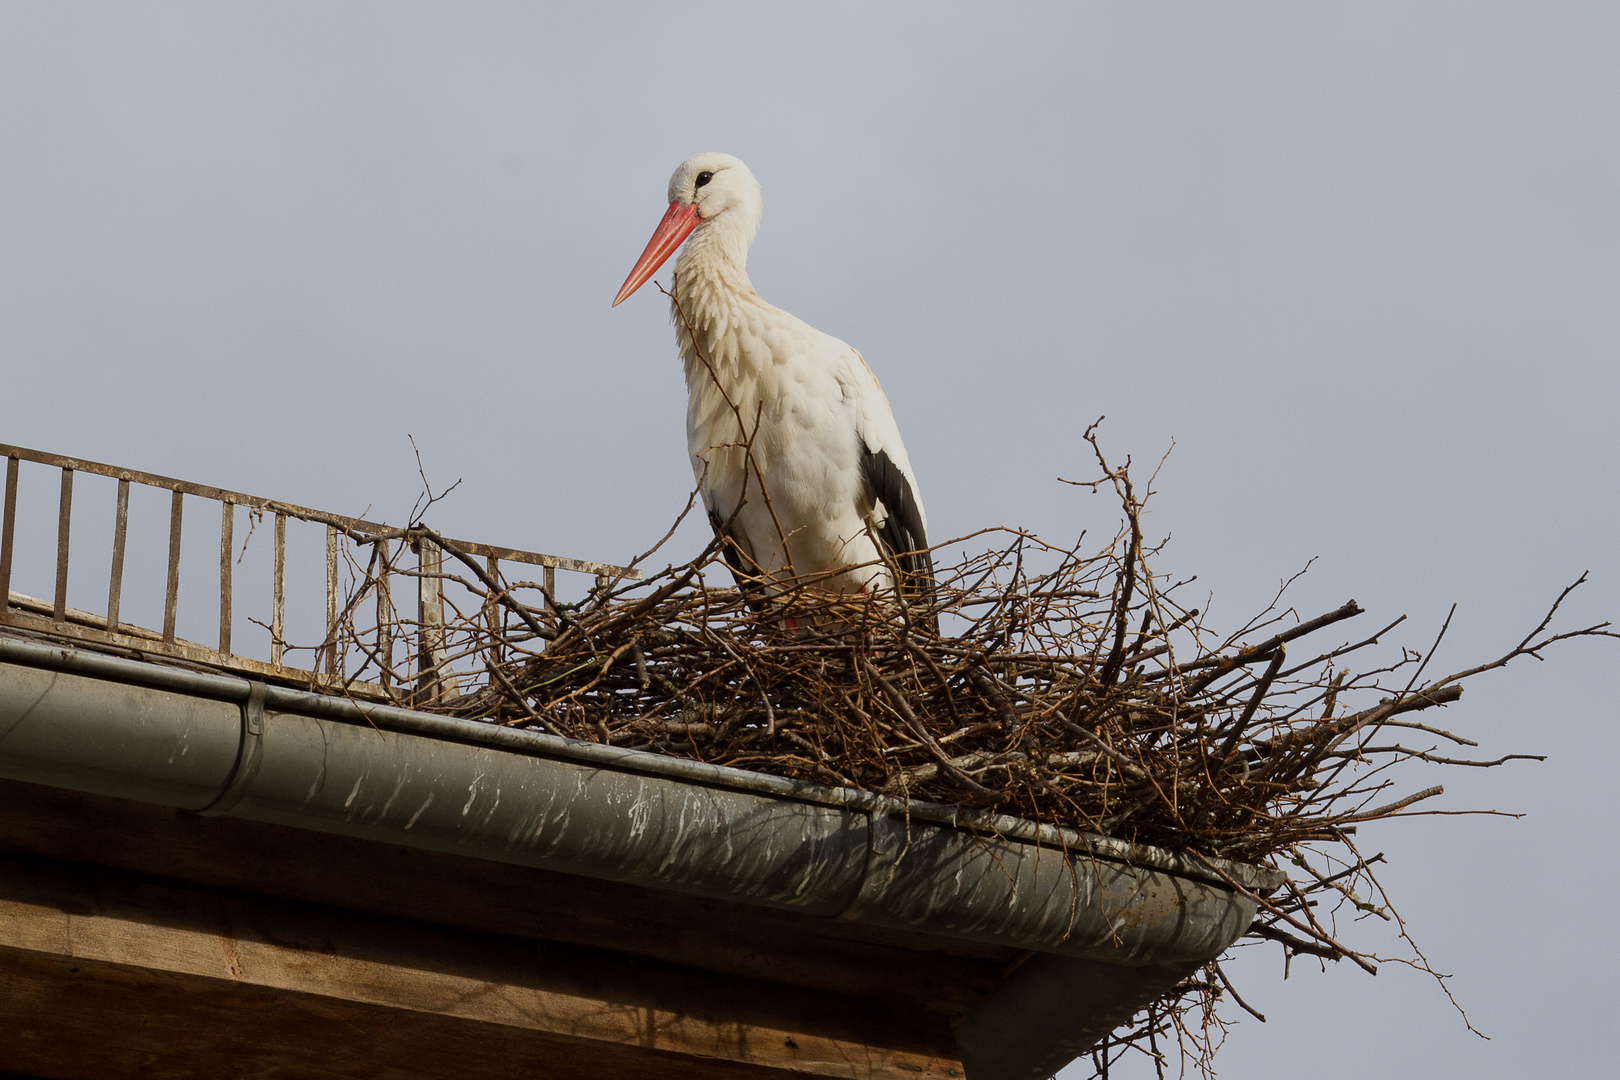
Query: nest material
1069	687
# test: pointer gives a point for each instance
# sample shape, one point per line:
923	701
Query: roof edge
1260	879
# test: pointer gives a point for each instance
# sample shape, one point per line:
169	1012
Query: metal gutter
222	745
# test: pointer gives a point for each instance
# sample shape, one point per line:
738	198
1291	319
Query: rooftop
214	859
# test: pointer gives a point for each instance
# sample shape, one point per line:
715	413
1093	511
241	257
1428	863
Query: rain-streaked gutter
217	744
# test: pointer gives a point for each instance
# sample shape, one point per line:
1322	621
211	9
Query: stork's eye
704	178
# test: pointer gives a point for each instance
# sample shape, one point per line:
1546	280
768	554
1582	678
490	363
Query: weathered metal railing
429	671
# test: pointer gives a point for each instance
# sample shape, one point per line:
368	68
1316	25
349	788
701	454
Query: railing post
64	525
550	578
171	594
227	526
433	681
278	597
115	577
331	600
495	616
385	618
8	533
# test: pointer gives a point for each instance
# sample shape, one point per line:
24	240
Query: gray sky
1360	262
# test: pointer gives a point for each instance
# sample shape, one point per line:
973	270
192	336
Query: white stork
772	399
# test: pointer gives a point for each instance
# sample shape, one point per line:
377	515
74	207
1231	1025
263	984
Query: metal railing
429	669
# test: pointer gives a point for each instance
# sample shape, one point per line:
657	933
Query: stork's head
707	191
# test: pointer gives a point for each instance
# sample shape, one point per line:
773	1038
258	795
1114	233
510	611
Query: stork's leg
752	586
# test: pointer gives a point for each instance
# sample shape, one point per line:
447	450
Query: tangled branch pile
1069	687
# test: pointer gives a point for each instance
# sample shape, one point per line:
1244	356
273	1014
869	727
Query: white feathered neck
713	296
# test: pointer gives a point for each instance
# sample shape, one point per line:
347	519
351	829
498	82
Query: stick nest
1071	686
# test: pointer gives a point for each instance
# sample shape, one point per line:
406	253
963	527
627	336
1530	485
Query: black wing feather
902	530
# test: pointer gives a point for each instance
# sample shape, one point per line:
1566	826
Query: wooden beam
918	971
112	974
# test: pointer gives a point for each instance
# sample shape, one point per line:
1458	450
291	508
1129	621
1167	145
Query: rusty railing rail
428	674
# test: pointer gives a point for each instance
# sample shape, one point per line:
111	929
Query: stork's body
772	398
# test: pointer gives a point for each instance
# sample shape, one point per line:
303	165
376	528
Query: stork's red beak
679	221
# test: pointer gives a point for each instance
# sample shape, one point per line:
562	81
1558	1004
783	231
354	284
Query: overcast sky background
1361	262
